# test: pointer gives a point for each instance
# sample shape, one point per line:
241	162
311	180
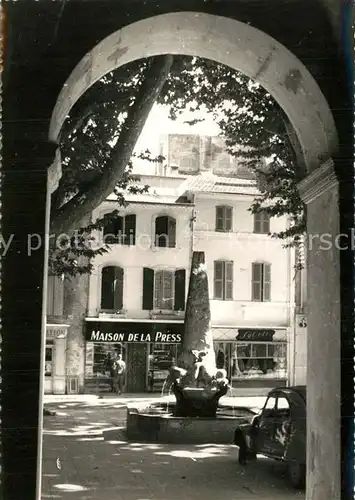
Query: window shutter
180	278
119	230
228	280
118	288
219	219
110	229
168	291
107	282
171	232
218	280
267	282
256	281
158	289
130	230
266	223
148	289
161	231
228	218
257	223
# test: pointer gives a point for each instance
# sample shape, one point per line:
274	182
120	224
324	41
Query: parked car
278	432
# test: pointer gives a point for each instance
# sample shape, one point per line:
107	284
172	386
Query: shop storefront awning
245	334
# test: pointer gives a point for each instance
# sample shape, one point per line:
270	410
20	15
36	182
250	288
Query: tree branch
66	218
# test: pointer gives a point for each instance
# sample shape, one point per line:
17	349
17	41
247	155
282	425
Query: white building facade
140	286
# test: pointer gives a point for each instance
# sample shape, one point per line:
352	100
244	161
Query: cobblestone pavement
86	456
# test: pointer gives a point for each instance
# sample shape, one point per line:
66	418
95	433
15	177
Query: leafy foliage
252	124
71	255
254	128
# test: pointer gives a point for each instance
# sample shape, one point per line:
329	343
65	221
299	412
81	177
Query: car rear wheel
297	475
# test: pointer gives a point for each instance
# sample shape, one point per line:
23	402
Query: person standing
120	373
109	368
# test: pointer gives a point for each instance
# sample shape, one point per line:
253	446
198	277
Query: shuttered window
223	280
180	280
120	230
148	289
165	232
224	218
164	290
112	288
55	296
261	282
262	223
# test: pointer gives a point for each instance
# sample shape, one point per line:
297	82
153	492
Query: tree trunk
75	310
197	391
197	332
70	215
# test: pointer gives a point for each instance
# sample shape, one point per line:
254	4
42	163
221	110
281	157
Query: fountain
196	382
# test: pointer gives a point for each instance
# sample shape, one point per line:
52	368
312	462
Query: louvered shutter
218	280
148	288
171	232
180	279
130	229
107	282
118	288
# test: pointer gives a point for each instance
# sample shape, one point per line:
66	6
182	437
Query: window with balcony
165	231
223	280
261	282
164	290
224	218
120	230
55	296
111	289
262	223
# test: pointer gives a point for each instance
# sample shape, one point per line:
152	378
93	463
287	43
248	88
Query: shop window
261	282
161	358
164	290
223	280
112	288
55	295
48	367
262	223
165	232
224	218
244	360
120	230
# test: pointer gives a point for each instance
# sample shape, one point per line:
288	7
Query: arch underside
225	41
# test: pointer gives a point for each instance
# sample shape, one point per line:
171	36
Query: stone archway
223	40
262	58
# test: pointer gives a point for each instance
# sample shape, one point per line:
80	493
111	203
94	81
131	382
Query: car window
282	407
282	403
270	403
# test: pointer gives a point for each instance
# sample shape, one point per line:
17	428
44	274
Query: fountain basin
157	423
196	401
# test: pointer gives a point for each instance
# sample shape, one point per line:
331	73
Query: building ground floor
253	357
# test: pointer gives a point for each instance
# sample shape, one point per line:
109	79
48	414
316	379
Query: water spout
231	395
162	390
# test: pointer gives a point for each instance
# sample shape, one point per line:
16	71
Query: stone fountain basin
155	422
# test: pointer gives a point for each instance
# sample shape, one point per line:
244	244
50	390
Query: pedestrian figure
120	373
109	368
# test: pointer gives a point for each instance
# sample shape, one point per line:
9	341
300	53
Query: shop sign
255	335
56	332
161	337
133	332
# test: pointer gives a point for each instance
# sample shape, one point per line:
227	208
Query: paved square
86	456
